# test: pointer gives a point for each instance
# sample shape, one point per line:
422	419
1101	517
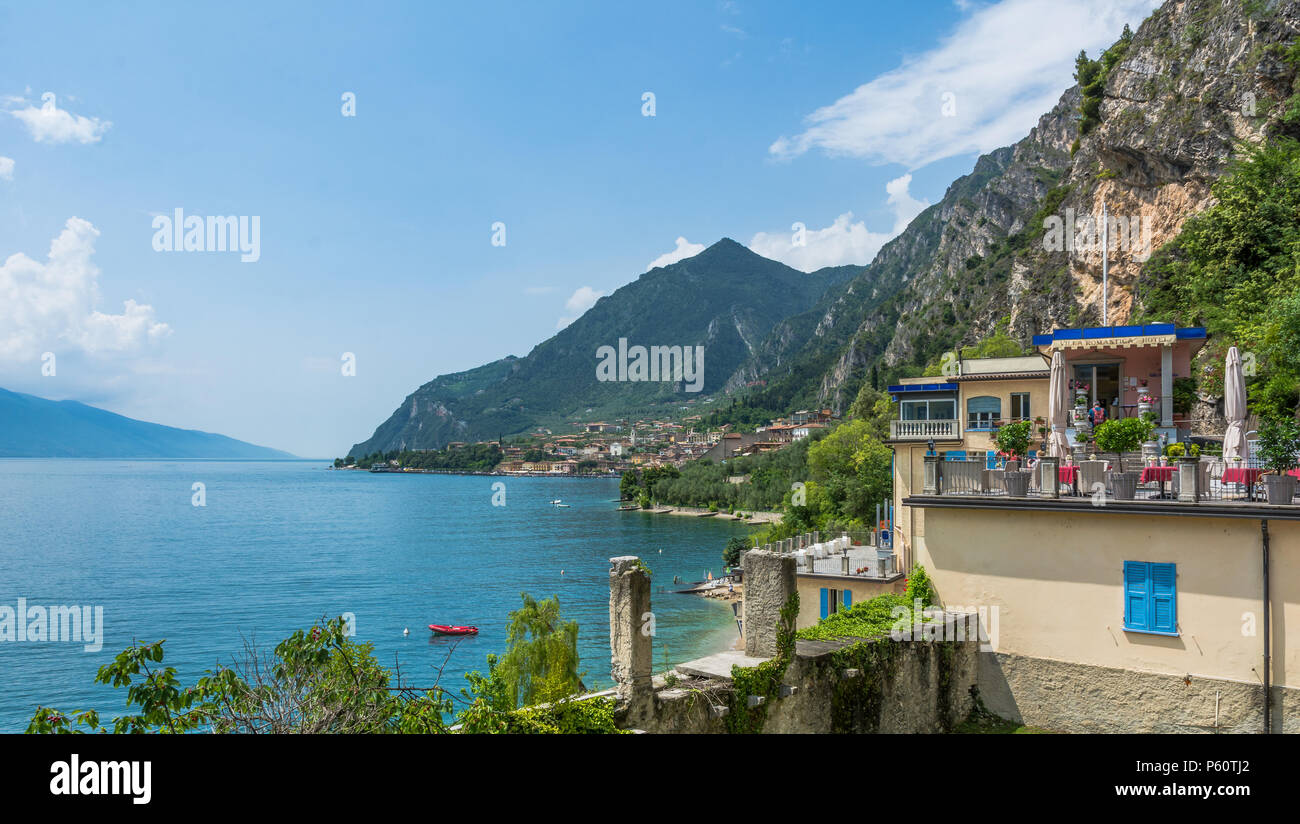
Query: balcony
924	430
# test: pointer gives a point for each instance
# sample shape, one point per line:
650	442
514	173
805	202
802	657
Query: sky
426	187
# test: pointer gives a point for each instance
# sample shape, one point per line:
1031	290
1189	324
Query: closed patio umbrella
1234	408
1058	398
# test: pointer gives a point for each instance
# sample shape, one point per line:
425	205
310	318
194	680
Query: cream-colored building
1154	614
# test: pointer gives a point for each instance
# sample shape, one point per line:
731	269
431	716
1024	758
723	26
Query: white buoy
406	631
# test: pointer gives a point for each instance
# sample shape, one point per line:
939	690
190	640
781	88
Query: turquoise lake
280	544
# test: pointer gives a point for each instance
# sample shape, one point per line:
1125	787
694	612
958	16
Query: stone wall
851	685
1067	697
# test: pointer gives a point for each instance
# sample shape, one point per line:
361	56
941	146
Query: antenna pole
1105	275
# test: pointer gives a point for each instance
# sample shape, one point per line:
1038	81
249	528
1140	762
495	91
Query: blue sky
376	230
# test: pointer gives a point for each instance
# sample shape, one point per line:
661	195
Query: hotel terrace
1158	603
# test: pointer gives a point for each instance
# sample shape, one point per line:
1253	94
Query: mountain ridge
35	427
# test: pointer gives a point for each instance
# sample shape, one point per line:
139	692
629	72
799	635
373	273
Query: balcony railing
1216	480
924	430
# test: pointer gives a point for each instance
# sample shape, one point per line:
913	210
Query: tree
541	659
736	547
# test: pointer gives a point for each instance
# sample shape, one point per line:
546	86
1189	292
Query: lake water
278	545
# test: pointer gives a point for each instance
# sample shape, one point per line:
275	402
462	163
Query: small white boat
555	502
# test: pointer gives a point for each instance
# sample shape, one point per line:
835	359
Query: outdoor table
1247	475
1069	475
1163	474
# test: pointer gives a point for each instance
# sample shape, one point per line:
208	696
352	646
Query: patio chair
1091	472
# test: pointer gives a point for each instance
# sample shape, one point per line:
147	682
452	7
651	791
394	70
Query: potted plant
1122	435
1279	441
1145	402
1013	439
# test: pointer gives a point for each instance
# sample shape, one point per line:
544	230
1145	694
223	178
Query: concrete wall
1064	658
897	687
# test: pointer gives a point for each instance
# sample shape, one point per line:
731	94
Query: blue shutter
1164	598
825	598
990	460
956	454
1137	593
848	598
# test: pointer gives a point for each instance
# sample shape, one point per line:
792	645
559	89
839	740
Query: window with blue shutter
1151	597
848	598
825	598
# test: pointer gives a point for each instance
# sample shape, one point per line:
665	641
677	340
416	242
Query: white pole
1105	254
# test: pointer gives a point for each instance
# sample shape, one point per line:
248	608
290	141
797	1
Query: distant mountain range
1159	117
32	427
726	299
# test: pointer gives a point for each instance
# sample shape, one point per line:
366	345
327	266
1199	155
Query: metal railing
1135	477
846	552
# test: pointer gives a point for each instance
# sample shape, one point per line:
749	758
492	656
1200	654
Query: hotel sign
1115	343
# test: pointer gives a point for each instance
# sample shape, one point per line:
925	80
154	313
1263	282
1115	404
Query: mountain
726	299
32	427
1154	122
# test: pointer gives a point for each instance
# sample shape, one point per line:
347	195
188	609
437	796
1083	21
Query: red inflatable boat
444	629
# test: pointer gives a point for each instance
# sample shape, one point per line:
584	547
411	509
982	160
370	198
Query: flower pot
1013	465
1123	485
1280	488
1016	482
1143	408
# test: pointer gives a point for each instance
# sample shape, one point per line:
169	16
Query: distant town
601	448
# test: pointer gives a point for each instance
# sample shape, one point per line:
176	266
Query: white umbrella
1058	396
1234	408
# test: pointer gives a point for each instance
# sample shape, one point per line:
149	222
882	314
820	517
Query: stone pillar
1188	470
931	486
1166	385
769	583
631	650
1049	477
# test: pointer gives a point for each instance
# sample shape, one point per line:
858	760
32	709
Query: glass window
914	410
943	410
1020	406
982	411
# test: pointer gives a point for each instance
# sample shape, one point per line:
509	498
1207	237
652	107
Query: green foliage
704	484
541	659
1092	76
1279	442
318	681
1233	269
1123	434
736	547
1013	438
872	618
919	587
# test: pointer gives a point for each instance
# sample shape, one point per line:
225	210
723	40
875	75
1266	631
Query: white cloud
844	241
6	168
582	299
684	250
51	306
1004	66
50	124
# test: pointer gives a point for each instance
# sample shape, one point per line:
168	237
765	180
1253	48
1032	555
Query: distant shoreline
480	473
755	517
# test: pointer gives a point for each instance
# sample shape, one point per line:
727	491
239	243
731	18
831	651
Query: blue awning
1099	332
922	387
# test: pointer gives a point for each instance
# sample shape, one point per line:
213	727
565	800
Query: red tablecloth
1241	475
1161	474
1295	473
1068	474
